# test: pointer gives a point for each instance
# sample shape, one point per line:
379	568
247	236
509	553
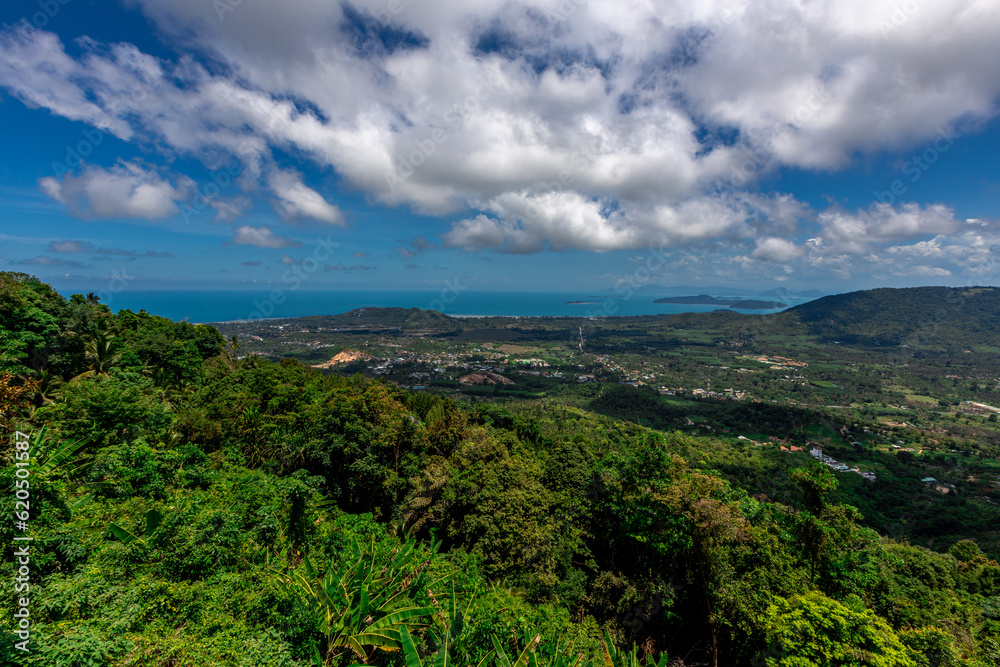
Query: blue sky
527	146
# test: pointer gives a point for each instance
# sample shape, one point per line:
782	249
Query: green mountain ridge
706	300
915	316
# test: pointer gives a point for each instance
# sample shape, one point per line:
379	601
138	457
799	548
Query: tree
816	483
100	355
15	397
812	630
711	523
108	409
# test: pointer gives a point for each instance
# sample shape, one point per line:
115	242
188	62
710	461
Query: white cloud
923	270
296	201
776	250
227	210
855	233
262	237
526	222
596	119
126	190
37	70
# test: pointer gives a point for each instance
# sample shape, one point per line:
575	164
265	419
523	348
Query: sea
231	305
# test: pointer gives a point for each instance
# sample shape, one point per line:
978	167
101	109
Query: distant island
706	300
578	303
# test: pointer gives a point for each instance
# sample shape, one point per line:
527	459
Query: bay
227	305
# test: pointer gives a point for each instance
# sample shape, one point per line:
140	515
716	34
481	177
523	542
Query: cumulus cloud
923	270
227	210
525	223
126	190
609	127
776	250
262	237
296	202
857	233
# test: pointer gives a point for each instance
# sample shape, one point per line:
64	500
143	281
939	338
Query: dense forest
949	318
191	505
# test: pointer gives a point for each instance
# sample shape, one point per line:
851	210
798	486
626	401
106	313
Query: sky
538	145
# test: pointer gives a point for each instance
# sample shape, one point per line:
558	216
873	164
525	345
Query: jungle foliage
192	507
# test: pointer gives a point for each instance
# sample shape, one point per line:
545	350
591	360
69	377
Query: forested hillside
194	506
936	317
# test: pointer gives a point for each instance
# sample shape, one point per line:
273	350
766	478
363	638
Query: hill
931	317
401	317
372	317
706	300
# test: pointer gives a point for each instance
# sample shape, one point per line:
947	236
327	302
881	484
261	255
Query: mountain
706	300
374	317
938	317
691	290
784	292
722	290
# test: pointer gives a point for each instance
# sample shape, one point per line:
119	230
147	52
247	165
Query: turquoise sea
219	306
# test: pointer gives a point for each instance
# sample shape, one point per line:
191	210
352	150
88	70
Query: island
706	300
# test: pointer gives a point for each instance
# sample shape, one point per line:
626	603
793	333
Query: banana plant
523	660
615	658
442	657
450	621
57	458
153	520
562	658
365	600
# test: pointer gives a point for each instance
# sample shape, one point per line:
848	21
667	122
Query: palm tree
101	355
231	349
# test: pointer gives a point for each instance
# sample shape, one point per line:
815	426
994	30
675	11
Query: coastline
238	308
